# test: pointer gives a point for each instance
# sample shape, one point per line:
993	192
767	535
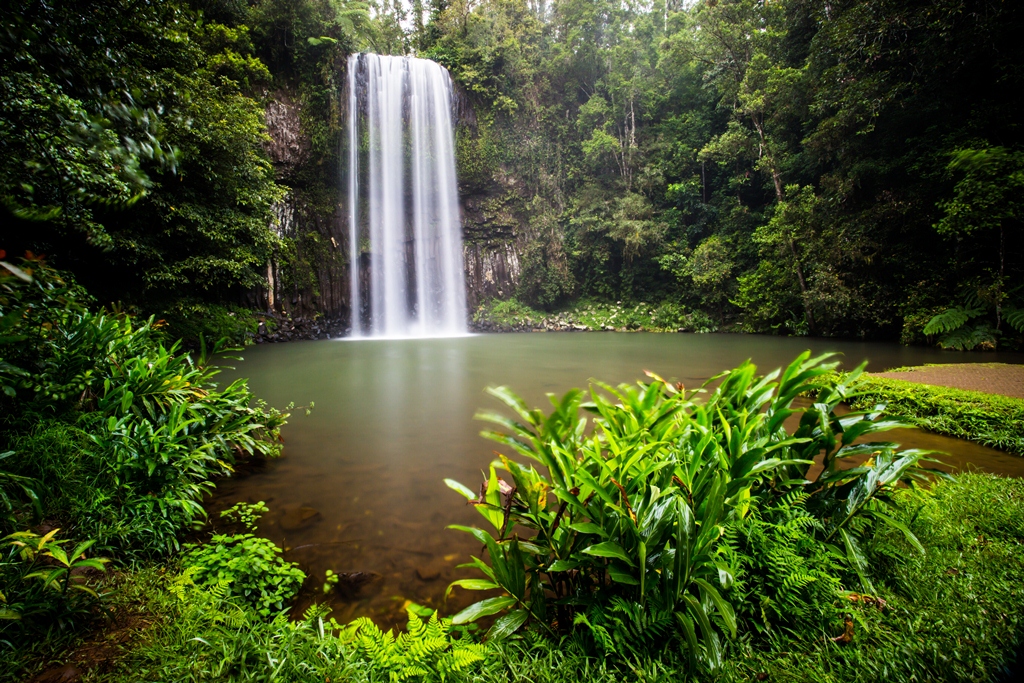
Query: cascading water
405	205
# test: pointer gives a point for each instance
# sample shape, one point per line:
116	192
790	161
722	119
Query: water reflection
360	489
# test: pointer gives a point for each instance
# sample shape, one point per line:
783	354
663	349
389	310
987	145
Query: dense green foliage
630	518
511	315
990	419
818	168
134	142
109	434
951	614
795	167
155	83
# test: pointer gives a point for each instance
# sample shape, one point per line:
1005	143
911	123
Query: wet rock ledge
274	327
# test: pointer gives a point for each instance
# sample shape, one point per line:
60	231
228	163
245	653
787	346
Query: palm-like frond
951	319
966	338
1014	317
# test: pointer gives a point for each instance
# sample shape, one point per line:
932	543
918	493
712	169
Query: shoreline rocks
275	328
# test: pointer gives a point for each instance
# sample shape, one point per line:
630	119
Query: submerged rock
295	517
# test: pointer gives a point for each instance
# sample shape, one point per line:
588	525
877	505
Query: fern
967	338
783	575
628	629
1014	317
425	649
951	319
178	585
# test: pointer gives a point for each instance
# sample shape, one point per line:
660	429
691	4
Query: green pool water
359	489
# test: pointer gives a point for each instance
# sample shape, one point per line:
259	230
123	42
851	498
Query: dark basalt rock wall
306	290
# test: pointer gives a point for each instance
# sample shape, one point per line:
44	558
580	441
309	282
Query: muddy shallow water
360	487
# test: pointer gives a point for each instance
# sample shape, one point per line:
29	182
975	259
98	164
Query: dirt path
991	378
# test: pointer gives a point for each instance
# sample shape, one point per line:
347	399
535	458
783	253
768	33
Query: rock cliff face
492	211
288	148
492	239
307	291
306	295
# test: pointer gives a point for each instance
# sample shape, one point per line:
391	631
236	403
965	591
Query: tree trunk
780	197
1002	271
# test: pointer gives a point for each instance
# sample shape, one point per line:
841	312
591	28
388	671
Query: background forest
797	167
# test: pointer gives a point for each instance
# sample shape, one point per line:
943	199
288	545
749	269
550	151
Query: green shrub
251	568
46	590
123	435
637	508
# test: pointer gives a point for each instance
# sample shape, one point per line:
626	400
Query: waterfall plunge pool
360	487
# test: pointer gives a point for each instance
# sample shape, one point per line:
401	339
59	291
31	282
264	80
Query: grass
953	614
989	419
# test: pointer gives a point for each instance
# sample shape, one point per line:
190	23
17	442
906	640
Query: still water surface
359	489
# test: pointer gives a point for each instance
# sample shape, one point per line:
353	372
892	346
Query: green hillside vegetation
791	167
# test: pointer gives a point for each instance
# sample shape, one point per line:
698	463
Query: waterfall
403	200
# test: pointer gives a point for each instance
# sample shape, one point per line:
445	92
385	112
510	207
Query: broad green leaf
619	576
471	585
483	608
609	549
456	486
562	565
588	528
507	624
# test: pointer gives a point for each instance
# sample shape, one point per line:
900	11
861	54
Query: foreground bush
106	432
630	521
951	614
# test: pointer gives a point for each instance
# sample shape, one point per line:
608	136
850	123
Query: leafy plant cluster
107	430
246	514
49	588
250	568
642	515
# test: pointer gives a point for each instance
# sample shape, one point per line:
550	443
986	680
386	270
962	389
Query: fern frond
967	338
461	658
951	319
181	582
220	590
1014	317
797	581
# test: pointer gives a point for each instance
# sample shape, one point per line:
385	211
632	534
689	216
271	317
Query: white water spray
406	204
